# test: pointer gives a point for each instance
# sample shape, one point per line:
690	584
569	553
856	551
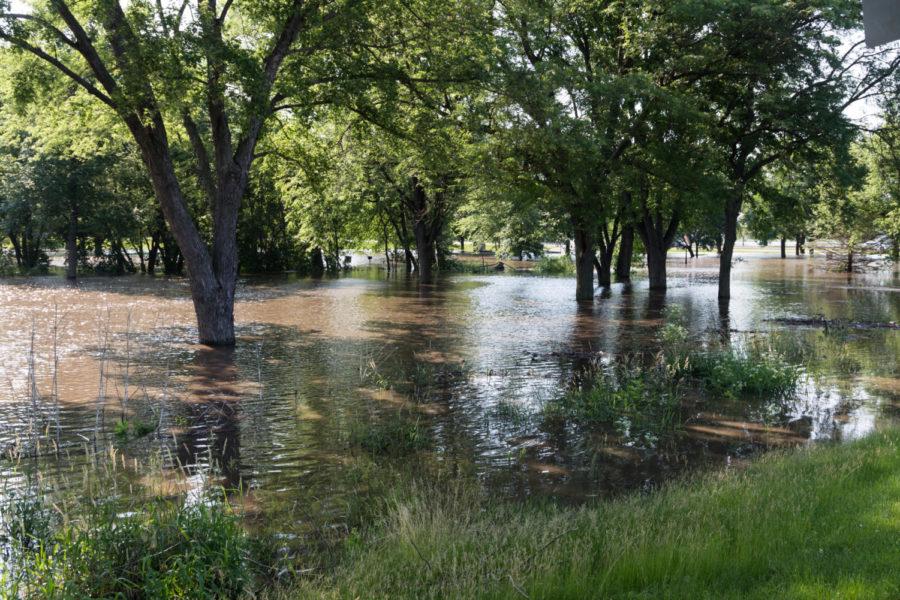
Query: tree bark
783	247
626	249
584	264
657	236
426	228
732	210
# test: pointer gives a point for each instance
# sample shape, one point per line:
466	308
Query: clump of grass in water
642	403
159	550
731	374
757	371
124	429
395	435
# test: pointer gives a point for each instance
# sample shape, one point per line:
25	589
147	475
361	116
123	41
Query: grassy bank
817	523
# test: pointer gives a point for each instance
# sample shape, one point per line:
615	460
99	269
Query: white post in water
881	19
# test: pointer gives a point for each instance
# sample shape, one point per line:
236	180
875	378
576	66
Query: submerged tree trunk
426	229
626	249
732	210
212	276
783	247
317	262
800	245
584	264
72	242
603	266
657	236
604	259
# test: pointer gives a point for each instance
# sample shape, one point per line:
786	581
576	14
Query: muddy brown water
468	361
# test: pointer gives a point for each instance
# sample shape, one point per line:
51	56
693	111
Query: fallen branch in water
834	323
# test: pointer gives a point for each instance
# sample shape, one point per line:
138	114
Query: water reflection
469	361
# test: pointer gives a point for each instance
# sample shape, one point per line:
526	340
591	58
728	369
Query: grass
394	435
818	523
642	403
159	550
732	374
758	370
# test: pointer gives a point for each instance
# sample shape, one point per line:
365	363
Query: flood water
468	362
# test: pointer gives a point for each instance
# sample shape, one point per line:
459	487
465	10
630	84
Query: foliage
758	370
640	401
159	550
561	265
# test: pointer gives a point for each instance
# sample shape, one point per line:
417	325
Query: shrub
561	265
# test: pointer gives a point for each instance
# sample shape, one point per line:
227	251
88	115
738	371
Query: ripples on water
469	361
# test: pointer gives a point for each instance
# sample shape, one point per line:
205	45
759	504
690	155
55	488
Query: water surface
468	361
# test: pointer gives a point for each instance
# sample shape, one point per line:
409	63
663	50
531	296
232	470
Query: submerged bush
160	550
759	370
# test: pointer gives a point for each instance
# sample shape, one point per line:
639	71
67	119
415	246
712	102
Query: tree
155	66
777	80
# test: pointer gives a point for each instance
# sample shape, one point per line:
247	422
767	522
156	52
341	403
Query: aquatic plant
733	374
394	435
640	402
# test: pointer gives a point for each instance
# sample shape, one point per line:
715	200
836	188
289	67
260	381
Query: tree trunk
426	229
732	210
689	245
656	266
657	236
154	252
626	249
799	246
603	266
584	264
212	275
72	242
783	247
568	248
17	249
850	260
317	262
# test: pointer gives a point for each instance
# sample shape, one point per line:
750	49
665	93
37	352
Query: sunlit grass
823	522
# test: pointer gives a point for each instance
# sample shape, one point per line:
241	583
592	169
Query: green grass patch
817	523
640	402
395	435
733	374
159	550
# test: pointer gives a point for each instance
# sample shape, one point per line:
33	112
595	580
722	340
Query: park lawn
819	522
